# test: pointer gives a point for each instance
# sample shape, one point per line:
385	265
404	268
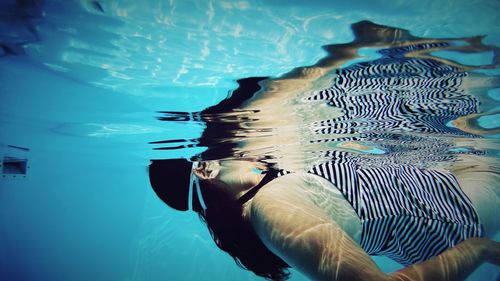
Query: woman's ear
207	170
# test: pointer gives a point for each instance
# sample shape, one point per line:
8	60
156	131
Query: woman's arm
453	264
292	226
301	233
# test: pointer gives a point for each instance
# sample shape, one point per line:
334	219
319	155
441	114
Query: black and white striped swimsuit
408	214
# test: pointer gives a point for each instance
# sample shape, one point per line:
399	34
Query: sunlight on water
396	104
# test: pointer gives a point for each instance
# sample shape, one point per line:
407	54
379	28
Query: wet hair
222	123
218	135
236	236
223	215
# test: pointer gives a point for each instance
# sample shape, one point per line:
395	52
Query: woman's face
238	175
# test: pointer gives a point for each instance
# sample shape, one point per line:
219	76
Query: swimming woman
326	215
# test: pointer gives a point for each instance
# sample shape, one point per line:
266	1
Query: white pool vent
14	162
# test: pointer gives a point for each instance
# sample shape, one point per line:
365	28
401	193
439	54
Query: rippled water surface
406	105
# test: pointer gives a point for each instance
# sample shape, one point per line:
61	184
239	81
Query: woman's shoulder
281	199
282	207
301	186
291	223
282	190
294	187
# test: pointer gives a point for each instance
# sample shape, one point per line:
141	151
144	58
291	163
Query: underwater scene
249	140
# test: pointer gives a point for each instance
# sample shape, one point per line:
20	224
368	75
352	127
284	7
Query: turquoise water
80	82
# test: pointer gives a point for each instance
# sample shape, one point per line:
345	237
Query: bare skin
288	216
479	178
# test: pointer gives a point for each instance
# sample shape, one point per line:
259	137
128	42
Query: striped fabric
407	214
402	105
396	95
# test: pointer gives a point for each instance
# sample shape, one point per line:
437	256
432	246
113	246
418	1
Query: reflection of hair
218	135
236	236
223	216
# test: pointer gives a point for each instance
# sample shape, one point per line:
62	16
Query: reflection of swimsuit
407	214
399	105
391	95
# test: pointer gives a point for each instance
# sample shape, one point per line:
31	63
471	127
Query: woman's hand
486	248
455	263
492	250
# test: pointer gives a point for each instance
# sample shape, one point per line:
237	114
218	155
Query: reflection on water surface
406	106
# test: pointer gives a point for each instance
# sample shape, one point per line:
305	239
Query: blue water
83	97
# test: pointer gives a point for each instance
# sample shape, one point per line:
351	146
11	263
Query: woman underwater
386	160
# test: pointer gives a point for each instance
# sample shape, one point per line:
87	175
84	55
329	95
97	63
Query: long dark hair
224	216
236	236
